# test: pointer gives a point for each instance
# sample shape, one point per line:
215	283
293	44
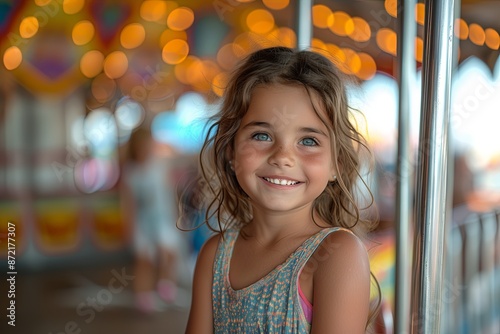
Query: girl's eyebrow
257	123
313	130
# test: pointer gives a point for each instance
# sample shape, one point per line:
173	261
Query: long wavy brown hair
225	202
338	205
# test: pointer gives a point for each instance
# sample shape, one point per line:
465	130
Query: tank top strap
225	250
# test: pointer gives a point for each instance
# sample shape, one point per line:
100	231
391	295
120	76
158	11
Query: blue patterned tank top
270	305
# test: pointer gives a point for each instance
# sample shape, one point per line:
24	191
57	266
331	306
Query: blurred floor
97	300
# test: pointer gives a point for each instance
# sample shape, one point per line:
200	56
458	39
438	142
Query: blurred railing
471	299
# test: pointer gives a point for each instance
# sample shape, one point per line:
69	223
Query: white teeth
281	182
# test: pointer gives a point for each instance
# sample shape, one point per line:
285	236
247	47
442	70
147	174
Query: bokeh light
219	83
154	10
83	32
180	19
492	39
322	16
342	24
28	27
283	36
103	88
368	67
276	4
260	21
419	49
391	7
73	6
461	29
168	35
129	114
477	34
420	13
116	64
361	31
387	40
92	63
132	36
12	58
175	51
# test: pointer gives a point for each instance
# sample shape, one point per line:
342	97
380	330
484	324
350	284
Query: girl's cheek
247	151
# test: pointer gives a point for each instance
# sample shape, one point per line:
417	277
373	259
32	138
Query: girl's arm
341	285
200	316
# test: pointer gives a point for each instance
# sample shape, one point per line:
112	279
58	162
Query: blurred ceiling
153	49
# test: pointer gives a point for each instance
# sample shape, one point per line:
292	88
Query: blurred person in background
151	203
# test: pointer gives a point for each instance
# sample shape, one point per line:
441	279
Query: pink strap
307	307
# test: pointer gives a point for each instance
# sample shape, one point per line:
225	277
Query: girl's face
282	151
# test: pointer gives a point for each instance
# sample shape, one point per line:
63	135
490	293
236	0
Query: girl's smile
282	151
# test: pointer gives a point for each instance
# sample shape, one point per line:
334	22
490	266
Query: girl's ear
335	170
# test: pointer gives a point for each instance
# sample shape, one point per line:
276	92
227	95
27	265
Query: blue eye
309	142
261	137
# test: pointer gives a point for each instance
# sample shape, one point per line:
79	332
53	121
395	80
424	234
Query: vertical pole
304	23
406	75
431	205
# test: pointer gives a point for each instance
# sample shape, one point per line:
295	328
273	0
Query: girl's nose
282	157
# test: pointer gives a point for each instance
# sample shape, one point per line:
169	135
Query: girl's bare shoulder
208	250
341	292
342	251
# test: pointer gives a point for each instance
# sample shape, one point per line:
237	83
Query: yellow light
337	55
260	21
73	6
342	25
391	6
181	69
12	58
226	57
219	83
168	35
83	32
28	27
318	46
92	63
175	51
180	18
203	74
461	29
245	43
132	35
387	40
420	13
276	4
322	16
361	31
419	49
492	38
115	64
194	72
476	34
368	66
283	37
353	61
153	10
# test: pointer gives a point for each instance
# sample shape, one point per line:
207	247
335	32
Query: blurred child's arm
341	286
200	316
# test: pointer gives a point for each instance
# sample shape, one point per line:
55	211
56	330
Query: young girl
149	200
283	164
